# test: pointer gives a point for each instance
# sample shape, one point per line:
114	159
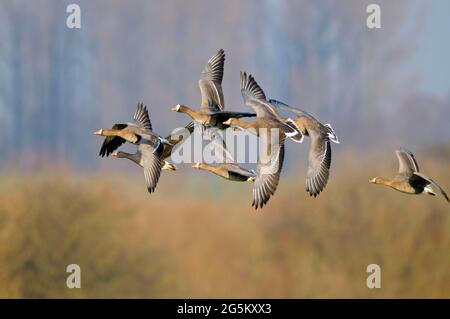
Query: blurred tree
318	55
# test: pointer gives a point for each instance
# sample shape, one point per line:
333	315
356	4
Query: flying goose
267	118
319	158
150	145
409	180
211	114
138	131
232	172
133	132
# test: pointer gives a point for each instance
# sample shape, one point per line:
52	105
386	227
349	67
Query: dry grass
197	236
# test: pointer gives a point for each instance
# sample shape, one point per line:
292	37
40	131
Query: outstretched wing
407	163
254	97
319	162
430	181
141	118
210	83
285	107
111	143
268	176
152	164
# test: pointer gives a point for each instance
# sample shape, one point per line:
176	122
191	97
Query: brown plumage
409	180
141	128
211	114
267	118
319	158
232	172
150	146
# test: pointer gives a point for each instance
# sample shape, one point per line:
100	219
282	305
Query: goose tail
293	131
331	134
428	190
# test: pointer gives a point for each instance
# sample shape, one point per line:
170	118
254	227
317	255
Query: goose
121	133
211	114
267	118
319	157
138	131
144	157
229	171
150	145
409	180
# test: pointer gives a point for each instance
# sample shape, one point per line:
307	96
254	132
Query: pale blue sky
432	56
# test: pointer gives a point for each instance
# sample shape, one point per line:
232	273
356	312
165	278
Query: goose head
231	121
99	132
179	108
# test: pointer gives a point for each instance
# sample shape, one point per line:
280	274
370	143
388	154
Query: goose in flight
211	114
267	119
409	180
319	157
150	145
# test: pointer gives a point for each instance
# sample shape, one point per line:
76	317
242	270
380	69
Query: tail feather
294	132
428	190
331	134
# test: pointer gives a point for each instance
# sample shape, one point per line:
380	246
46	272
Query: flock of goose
153	150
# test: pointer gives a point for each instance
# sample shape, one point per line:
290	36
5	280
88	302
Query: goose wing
152	164
268	176
255	97
210	83
407	163
285	107
141	117
430	181
319	162
111	143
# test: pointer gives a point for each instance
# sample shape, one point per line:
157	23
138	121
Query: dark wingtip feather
103	151
249	84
